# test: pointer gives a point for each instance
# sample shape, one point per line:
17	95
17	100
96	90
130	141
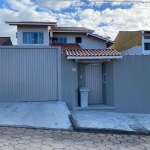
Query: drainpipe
143	42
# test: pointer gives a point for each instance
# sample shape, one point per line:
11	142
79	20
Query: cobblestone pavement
38	139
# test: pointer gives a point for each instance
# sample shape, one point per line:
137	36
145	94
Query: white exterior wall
133	50
145	41
88	42
21	29
146	51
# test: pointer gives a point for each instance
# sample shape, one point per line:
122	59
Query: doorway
94	83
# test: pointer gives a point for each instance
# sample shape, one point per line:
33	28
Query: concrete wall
88	42
69	79
131	84
81	75
21	29
108	87
133	50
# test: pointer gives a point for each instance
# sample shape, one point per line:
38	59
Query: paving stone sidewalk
38	139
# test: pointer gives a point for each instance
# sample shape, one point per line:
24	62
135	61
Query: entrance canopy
93	54
75	52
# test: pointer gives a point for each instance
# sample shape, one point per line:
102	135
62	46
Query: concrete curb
34	127
103	130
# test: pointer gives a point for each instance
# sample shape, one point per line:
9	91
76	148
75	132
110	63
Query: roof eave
94	57
72	31
37	24
108	41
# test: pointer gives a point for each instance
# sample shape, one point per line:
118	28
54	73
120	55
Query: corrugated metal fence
30	73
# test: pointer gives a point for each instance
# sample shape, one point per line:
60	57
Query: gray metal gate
94	83
30	73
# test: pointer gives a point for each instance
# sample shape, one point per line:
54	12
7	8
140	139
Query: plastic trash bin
84	96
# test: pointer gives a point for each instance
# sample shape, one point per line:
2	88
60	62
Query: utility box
84	96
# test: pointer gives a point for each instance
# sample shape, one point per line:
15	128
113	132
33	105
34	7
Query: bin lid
84	89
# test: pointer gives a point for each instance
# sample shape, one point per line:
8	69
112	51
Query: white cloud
21	5
114	20
59	4
21	15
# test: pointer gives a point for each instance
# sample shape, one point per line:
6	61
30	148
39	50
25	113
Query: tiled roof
92	52
3	40
68	46
79	29
31	22
74	49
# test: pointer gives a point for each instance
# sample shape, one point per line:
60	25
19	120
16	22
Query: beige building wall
127	40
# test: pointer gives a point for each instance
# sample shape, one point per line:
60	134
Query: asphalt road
39	139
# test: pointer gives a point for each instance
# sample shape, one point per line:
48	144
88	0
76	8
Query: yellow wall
126	40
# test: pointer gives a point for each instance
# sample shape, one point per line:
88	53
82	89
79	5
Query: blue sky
106	18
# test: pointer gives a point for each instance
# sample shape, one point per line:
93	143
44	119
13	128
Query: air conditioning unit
50	34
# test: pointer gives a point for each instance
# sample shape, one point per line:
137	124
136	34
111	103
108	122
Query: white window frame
30	36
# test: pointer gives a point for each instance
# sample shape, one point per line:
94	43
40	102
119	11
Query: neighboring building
5	41
52	63
132	42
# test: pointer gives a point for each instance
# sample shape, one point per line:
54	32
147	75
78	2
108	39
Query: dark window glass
146	37
147	46
59	40
33	38
78	40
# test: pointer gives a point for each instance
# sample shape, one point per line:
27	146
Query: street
39	139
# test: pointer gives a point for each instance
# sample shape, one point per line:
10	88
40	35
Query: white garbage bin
84	96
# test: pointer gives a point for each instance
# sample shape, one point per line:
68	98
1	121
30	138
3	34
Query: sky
106	17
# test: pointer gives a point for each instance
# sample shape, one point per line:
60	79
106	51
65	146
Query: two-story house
52	63
83	54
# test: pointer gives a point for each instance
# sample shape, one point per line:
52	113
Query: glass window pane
35	39
40	38
147	46
59	40
24	37
78	40
65	40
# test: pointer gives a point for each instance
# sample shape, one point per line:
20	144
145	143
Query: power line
104	1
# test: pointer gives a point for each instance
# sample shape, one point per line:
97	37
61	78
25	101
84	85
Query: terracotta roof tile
74	49
80	29
3	40
92	52
67	46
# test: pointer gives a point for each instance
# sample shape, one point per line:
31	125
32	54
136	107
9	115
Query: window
146	37
147	46
78	40
59	40
32	37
